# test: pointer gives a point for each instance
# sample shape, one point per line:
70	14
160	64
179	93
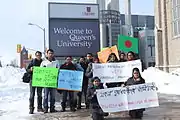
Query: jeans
71	99
32	94
97	114
52	93
79	96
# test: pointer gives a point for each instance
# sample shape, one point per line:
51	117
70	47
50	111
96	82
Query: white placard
115	72
128	98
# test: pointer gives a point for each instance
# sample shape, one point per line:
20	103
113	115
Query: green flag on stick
126	44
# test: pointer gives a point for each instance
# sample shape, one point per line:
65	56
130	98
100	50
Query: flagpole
110	34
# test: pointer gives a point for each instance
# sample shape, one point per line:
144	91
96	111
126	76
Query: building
140	21
109	22
23	58
112	23
102	4
142	28
112	5
147	47
167	41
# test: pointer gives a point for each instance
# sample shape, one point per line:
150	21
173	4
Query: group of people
89	86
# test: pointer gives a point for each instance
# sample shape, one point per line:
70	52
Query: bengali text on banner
128	98
70	80
115	72
45	77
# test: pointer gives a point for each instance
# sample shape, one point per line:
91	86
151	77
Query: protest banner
115	72
103	55
105	52
114	49
70	80
44	77
128	98
104	48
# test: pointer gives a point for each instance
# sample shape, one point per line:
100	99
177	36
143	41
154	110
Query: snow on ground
14	94
176	72
166	82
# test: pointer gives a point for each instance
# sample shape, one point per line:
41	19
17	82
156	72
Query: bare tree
13	63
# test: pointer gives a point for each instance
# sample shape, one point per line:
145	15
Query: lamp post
44	33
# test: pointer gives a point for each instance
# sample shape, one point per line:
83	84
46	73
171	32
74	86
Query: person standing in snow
35	62
134	80
49	62
131	56
89	58
84	65
113	59
96	111
68	65
122	57
89	75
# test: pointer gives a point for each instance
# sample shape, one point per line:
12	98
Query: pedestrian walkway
169	109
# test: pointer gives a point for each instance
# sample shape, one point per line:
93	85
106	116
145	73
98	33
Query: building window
150	40
151	45
176	17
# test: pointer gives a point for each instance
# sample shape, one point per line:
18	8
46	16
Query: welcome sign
70	36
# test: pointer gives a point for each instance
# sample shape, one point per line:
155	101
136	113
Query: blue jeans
32	94
52	93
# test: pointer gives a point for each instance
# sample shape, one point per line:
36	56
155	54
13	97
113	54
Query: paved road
169	109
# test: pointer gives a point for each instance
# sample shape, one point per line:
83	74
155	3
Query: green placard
45	77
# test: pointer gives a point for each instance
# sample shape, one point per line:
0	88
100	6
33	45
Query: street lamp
44	31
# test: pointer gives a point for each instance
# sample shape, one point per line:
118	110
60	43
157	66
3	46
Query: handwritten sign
45	77
104	54
128	98
115	72
114	49
70	80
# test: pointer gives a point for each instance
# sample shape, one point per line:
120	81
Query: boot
52	110
40	110
45	110
63	109
31	110
87	106
79	107
105	114
72	109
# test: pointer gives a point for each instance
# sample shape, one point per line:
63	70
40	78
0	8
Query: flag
126	44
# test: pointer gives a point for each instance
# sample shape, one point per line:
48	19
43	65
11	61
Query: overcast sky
16	14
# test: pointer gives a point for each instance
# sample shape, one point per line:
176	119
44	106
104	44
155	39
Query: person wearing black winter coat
84	65
68	65
96	111
122	57
113	59
35	62
134	80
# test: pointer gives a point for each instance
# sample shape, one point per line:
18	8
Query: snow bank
14	94
176	72
166	82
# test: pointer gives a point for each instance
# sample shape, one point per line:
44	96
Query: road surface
169	109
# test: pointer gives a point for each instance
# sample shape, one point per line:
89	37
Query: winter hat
95	78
